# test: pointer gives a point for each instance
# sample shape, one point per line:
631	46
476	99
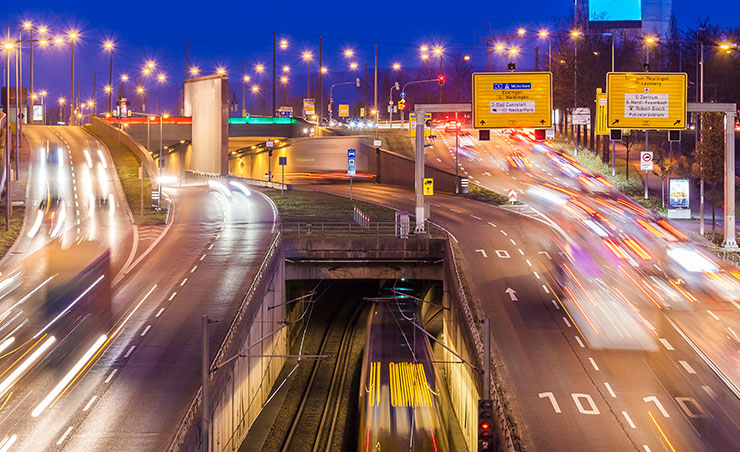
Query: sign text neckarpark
646	100
512	99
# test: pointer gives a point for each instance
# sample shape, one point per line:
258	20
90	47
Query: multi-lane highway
589	353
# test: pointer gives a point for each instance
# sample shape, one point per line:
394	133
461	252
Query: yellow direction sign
428	187
343	110
646	100
412	125
512	99
601	101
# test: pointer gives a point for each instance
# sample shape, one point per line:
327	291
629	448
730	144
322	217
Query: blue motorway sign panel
512	86
351	164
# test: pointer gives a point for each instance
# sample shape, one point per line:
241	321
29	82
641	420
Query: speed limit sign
646	160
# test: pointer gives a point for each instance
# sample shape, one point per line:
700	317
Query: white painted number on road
554	402
483	252
547	255
657	403
503	254
592	406
690	407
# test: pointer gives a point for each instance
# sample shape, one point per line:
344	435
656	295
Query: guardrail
329	229
263	183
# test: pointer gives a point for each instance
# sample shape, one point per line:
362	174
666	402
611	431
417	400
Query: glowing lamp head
124	78
466	58
396	66
259	68
255	89
349	53
246	78
286	69
544	33
521	32
353	66
283	44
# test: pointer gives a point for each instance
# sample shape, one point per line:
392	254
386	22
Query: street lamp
307	56
575	34
61	102
439	52
349	53
221	71
521	32
194	71
255	91
283	44
353	66
260	68
72	35
396	66
546	34
140	92
108	45
284	82
286	69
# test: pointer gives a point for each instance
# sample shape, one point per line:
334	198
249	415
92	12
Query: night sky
243	30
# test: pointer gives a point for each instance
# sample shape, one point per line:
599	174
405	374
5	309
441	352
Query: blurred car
452	126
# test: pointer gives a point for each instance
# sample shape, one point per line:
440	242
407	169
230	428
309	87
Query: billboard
620	13
678	199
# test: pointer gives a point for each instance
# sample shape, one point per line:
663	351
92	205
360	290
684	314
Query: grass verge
7	238
127	167
485	195
314	206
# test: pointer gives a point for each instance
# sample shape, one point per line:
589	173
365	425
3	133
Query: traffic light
512	67
615	134
646	67
402	104
485	425
540	134
674	136
484	135
441	79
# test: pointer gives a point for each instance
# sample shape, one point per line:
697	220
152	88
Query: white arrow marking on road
483	252
547	255
512	293
660	407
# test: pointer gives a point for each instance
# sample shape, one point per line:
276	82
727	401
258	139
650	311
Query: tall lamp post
307	57
575	34
8	47
72	35
108	45
439	51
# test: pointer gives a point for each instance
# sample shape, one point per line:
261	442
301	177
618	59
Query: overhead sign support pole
419	175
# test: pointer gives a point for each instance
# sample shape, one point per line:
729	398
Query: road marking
734	303
666	344
483	252
629	421
218	235
209	248
183	282
578	339
546	289
556	304
520	251
66	433
611	391
439	160
110	377
593	410
89	404
146	330
647	449
477	218
554	402
503	254
687	366
566	322
512	242
128	353
709	391
172	296
159	312
202	257
536	275
192	270
527	261
547	255
512	293
455	210
504	232
593	363
657	403
713	314
492	224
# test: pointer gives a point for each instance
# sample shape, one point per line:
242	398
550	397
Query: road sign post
515	99
282	161
512	196
646	163
351	167
428	187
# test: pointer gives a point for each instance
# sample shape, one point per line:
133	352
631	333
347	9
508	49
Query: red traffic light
441	79
485	425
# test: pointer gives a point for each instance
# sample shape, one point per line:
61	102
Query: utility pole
321	82
375	86
274	61
8	203
187	58
244	88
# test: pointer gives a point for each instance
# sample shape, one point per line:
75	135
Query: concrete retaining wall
114	133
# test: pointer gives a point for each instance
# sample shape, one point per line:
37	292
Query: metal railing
328	229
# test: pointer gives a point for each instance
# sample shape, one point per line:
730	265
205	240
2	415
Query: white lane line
455	210
566	322
536	275
146	330
128	353
89	404
483	252
593	363
629	421
734	303
183	282
528	263
492	224
713	314
110	377
218	235
503	232
211	246
477	218
555	304
202	257
611	391
687	366
647	449
580	342
192	270
512	242
172	296
66	433
520	251
709	391
666	344
546	289
161	310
